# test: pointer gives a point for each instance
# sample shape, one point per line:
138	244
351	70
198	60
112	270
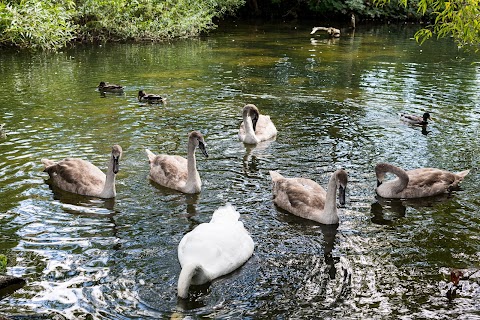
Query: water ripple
335	104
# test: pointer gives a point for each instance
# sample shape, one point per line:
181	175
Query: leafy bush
37	24
458	19
149	20
52	24
337	9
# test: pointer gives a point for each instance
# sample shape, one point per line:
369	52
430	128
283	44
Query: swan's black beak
254	122
379	183
341	195
201	146
116	166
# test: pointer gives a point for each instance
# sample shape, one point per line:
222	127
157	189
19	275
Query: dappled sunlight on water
335	105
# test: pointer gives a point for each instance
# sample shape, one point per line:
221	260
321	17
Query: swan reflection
387	211
252	156
78	204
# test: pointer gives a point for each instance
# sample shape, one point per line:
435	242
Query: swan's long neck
109	188
250	136
330	210
185	279
191	274
193	184
401	183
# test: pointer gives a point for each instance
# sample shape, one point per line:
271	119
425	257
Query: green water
335	104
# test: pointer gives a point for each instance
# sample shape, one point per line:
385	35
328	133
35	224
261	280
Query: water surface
335	104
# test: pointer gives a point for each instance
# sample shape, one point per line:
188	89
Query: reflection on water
83	203
253	156
424	130
385	212
334	103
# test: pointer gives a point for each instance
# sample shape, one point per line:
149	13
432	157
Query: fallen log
9	284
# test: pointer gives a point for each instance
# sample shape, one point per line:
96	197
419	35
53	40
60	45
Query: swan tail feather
150	155
185	279
462	174
226	213
47	163
275	176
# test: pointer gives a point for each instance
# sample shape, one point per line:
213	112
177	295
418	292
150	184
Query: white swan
82	177
417	183
213	249
307	199
176	172
255	127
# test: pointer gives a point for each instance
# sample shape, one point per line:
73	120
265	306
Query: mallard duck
176	172
415	120
84	178
150	98
255	127
417	183
108	87
213	249
307	199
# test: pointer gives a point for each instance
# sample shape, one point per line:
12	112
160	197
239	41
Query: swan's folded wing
76	175
169	171
219	249
425	182
265	128
299	196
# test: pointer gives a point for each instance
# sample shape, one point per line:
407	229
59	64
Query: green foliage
52	24
149	20
459	19
3	262
363	9
37	24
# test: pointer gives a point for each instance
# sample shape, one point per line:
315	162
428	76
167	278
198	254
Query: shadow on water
191	200
250	161
9	285
85	205
253	153
388	211
424	130
329	233
196	297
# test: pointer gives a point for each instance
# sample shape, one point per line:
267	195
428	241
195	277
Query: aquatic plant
3	262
